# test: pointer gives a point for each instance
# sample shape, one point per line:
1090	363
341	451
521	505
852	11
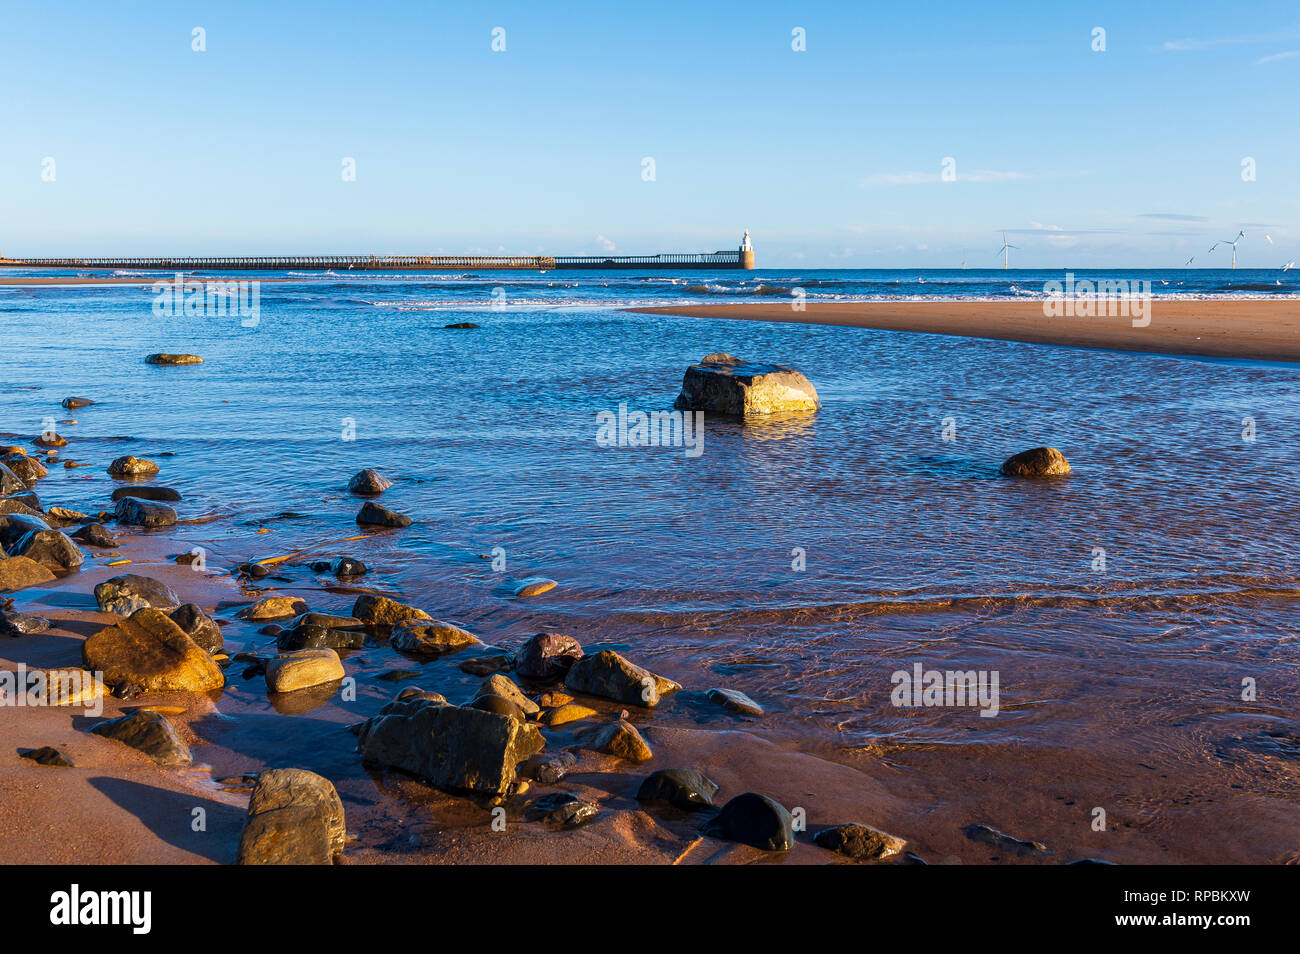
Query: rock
381	614
733	700
254	571
754	819
10	483
15	526
271	609
49	439
308	635
58	517
498	704
124	595
373	515
547	656
27	469
369	482
21	624
72	403
150	651
499	685
430	637
686	789
859	842
165	494
16	504
1039	462
562	808
622	740
722	384
534	586
49	547
198	626
47	755
289	672
986	835
496	660
18	573
554	700
461	326
131	467
415	693
295	817
95	535
570	712
610	676
449	746
173	359
548	769
143	513
151	733
342	567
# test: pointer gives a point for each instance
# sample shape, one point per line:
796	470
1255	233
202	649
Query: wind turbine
1005	253
1233	243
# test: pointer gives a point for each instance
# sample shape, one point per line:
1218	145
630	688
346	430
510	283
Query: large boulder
18	573
418	637
124	595
369	483
148	650
295	817
129	468
135	512
723	384
456	747
1036	463
151	733
49	547
547	656
611	676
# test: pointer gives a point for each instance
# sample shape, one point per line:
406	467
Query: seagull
1192	259
1289	265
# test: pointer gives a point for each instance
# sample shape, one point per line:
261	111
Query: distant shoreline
1242	328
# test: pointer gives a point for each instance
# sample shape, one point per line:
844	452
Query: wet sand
1219	328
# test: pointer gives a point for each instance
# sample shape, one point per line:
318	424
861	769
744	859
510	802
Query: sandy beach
1217	328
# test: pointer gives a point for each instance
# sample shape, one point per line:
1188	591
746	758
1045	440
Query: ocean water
803	560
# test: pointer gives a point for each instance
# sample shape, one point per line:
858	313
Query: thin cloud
1192	45
1278	56
927	178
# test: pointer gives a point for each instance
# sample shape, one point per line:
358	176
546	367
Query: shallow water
1120	686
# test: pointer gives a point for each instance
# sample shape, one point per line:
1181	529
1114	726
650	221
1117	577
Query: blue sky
831	156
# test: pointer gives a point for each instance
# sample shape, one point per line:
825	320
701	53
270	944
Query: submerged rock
987	835
135	512
124	595
198	626
686	789
295	817
151	733
289	672
173	359
148	650
50	439
461	326
1039	462
449	746
18	573
129	467
547	656
72	403
165	494
49	547
757	820
370	482
430	637
373	515
611	676
341	566
735	701
859	842
722	384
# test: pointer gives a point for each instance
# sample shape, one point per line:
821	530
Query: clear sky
832	156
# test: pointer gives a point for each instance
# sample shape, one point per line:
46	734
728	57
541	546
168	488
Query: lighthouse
746	252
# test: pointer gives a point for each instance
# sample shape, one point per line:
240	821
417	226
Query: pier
742	257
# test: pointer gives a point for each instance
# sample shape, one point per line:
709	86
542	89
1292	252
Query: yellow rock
568	713
303	669
161	710
271	608
148	649
553	700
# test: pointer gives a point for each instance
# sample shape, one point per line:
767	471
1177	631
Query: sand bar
1221	327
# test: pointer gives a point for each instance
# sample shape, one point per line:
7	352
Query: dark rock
369	482
860	842
47	755
143	513
124	595
548	769
547	656
686	789
733	700
18	503
502	686
132	467
461	326
27	469
562	808
621	740
308	636
756	820
146	493
255	571
723	384
151	733
499	705
49	439
15	526
342	566
987	835
95	535
21	624
611	676
295	817
10	483
373	515
173	359
1037	463
72	403
49	547
449	746
198	626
